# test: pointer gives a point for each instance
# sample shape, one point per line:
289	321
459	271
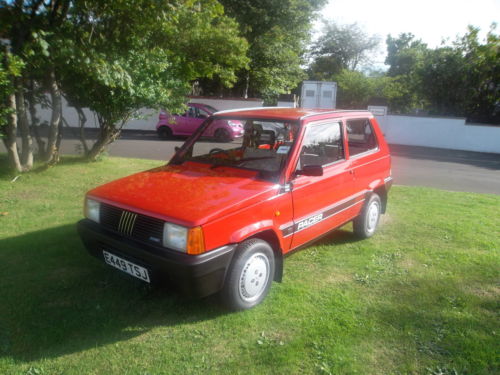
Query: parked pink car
170	125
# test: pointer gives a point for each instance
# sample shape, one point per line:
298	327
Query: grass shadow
7	173
57	300
5	170
337	237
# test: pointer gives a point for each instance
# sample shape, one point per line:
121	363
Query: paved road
446	169
414	166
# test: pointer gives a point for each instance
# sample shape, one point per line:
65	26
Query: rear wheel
164	132
250	275
366	223
222	135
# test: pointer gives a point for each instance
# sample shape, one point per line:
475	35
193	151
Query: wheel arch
381	191
272	239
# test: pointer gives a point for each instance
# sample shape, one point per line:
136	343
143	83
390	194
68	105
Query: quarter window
322	145
360	136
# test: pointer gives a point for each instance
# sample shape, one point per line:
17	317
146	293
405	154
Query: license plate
126	266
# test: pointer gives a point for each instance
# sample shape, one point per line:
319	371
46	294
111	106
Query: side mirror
310	170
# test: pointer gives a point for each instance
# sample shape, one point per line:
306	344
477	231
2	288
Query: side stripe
317	218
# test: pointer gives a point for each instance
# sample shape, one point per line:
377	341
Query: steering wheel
216	151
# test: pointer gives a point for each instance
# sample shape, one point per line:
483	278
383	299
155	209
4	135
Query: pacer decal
309	221
315	219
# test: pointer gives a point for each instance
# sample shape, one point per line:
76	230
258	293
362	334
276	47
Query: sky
429	20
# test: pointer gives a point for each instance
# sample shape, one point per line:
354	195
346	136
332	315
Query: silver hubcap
254	277
372	217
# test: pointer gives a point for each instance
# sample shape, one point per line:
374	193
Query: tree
340	47
404	54
405	57
277	32
462	79
113	57
442	78
354	89
482	75
10	70
148	64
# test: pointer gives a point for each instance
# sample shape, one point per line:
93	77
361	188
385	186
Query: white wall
148	117
224	104
286	104
448	133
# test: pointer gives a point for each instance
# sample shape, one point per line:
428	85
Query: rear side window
361	137
322	145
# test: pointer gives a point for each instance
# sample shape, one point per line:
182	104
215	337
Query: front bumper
198	275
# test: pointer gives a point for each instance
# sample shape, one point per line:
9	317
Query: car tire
250	275
222	135
366	223
164	132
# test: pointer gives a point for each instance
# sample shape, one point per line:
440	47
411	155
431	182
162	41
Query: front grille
131	224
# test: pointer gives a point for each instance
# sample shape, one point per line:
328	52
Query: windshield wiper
254	158
217	165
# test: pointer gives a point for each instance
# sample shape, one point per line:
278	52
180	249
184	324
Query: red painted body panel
232	204
191	194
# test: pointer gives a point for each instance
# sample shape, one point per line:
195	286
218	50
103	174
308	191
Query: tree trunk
247	85
82	120
27	142
10	136
108	135
55	158
34	120
52	152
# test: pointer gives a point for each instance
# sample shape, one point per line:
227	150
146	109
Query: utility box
318	94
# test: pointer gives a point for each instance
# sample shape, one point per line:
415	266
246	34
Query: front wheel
366	223
164	132
250	275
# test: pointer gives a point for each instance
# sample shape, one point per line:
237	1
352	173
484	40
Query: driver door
322	203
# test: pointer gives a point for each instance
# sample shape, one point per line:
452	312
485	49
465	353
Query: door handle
351	171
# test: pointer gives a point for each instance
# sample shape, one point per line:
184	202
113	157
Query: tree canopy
277	32
340	47
114	58
461	79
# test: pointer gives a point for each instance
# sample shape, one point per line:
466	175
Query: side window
360	136
322	145
202	113
192	112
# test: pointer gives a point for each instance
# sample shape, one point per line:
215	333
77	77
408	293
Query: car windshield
264	146
210	108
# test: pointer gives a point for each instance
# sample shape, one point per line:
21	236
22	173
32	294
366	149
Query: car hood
190	194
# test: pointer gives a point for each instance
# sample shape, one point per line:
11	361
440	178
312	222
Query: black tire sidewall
230	292
164	132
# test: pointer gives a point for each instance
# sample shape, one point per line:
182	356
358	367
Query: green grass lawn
421	297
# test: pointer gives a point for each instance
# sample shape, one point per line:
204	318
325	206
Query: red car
185	124
222	219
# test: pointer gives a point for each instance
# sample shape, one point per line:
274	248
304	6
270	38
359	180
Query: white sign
378	110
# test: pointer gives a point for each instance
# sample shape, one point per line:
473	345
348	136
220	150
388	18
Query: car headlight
175	237
186	240
92	210
234	124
